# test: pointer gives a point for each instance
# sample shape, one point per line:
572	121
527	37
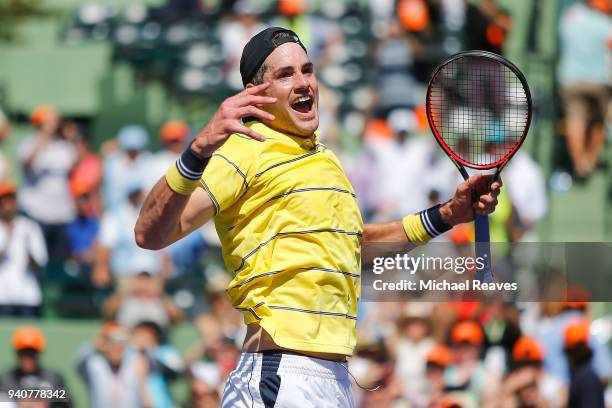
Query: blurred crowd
417	354
74	212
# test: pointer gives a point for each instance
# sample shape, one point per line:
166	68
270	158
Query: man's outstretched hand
476	195
227	120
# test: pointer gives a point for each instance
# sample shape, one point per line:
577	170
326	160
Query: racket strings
479	108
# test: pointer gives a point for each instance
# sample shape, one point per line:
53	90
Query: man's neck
288	132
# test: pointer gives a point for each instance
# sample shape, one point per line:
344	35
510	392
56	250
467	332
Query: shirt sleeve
230	172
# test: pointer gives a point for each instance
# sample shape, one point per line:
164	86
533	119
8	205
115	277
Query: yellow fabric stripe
415	231
178	183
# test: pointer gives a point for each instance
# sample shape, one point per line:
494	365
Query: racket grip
483	248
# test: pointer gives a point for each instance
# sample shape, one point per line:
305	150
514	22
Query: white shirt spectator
117	234
526	186
119	389
22	243
45	194
410	366
234	35
158	164
406	173
584	52
115	183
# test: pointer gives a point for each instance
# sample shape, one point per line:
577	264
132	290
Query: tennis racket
479	109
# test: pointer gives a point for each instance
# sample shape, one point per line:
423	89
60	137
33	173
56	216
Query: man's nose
301	81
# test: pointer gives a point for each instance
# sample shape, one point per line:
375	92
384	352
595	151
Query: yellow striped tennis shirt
290	227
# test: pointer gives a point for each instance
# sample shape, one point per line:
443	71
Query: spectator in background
88	170
221	321
402	152
173	136
235	33
5	130
486	26
438	358
127	155
164	361
527	384
85	181
500	322
205	386
29	374
47	158
114	378
584	77
394	60
22	253
220	351
318	35
118	255
586	389
468	373
372	368
409	349
83	231
550	333
529	200
142	300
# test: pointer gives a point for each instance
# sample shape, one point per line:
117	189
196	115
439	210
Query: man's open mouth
303	104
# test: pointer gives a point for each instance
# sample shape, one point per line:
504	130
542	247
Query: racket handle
483	247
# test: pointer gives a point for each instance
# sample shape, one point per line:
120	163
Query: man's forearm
384	232
417	228
159	222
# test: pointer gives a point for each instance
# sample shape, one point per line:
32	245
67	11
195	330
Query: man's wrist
191	164
446	214
202	152
436	219
425	225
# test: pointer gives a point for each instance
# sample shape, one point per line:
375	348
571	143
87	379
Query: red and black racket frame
481	222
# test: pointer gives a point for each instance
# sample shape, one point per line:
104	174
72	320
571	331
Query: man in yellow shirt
289	225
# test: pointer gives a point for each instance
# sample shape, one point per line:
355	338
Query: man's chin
306	127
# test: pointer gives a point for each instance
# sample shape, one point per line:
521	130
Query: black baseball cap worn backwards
260	46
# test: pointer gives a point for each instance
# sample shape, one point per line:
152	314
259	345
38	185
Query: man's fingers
485	183
254	90
254	111
254	100
488	199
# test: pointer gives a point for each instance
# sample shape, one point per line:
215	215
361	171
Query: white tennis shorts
276	379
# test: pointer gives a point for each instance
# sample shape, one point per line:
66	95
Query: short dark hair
258	78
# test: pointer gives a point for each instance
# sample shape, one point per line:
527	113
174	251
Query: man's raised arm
175	206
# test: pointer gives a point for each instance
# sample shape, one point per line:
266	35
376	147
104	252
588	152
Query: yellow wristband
178	183
415	230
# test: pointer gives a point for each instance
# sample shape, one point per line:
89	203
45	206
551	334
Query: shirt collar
304	143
